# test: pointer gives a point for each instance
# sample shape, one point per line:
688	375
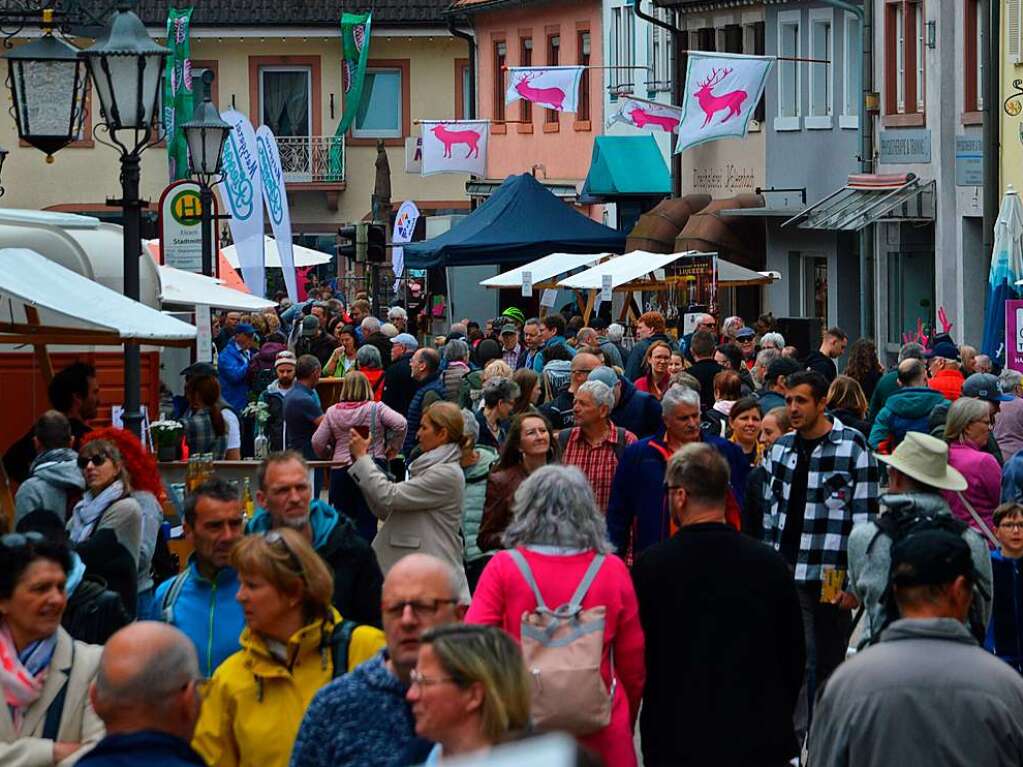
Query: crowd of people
527	525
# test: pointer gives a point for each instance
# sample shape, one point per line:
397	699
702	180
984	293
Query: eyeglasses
418	680
581	372
97	460
1012	525
273	537
419	608
20	540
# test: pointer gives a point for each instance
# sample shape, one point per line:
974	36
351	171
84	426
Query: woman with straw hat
918	472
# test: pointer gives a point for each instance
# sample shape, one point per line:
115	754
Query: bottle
261	446
247	503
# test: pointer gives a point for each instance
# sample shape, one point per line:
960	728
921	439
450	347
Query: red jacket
949	382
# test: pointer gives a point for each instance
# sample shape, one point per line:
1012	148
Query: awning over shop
716	228
520	222
544	269
188	289
626	166
41	302
867	199
642	264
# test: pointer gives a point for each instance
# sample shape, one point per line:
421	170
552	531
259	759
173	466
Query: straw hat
925	459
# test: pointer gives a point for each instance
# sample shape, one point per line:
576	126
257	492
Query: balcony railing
312	159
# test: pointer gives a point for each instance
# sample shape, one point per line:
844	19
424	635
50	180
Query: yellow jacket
255	704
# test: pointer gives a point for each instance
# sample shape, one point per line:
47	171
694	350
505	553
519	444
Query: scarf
23	674
88	510
444	454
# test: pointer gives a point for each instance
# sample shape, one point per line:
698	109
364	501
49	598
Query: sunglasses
273	537
97	460
14	541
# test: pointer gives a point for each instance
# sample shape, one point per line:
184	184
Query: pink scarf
22	676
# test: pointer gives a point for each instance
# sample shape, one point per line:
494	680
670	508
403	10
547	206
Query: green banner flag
355	32
177	91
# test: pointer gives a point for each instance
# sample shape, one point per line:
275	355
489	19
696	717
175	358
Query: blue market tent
521	221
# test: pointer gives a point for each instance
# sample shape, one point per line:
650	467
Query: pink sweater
502	595
382	421
985	484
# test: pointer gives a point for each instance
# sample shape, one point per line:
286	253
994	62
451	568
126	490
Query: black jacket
704	372
559	410
399	385
383	345
822	364
637	411
634	364
724	632
357	576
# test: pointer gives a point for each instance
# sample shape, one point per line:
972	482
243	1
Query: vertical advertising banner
1014	334
242	192
177	91
276	198
404	229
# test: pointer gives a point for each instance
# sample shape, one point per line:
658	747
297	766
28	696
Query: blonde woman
382	426
469	690
258	696
424	513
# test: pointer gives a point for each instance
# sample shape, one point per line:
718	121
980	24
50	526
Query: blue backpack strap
171	597
54	712
340	640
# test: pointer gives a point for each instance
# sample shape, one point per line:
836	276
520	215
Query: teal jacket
206	611
907	409
474	498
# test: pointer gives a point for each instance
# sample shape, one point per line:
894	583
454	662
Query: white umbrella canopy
188	289
303	256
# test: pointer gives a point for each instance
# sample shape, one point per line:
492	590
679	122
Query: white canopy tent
188	289
545	268
623	270
42	302
303	256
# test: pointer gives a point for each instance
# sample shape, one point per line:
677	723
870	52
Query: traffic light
346	242
376	250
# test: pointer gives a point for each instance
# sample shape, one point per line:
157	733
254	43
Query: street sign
903	146
527	284
605	287
180	232
969	161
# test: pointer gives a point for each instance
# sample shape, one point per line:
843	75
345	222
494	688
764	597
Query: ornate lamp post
206	133
127	70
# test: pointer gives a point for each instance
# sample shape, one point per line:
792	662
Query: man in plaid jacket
822	480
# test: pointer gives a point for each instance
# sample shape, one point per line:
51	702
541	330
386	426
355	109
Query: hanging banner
242	192
551	87
721	94
404	229
275	197
455	147
177	91
646	114
355	33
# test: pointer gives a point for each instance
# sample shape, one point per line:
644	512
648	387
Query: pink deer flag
648	115
451	146
551	87
722	91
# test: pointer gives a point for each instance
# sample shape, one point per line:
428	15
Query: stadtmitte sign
180	232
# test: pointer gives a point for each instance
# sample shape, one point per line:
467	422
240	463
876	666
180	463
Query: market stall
182	288
544	271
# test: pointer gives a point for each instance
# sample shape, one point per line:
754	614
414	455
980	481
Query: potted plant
167	437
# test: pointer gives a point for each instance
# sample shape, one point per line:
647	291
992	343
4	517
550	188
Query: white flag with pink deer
551	87
721	93
646	114
455	146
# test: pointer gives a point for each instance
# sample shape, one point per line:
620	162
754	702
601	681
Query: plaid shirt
598	462
841	491
200	437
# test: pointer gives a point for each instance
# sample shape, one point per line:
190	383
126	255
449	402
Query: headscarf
23	674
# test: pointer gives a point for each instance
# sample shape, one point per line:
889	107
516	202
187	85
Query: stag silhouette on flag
551	87
451	146
721	92
646	114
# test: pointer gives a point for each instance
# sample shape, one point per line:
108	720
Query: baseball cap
605	375
930	558
285	358
783	366
198	369
944	349
509	329
984	386
746	333
407	340
245	328
310	325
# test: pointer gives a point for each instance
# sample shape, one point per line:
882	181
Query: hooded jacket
870	561
233	373
908	409
474	499
927	694
357	576
255	703
637	411
54	480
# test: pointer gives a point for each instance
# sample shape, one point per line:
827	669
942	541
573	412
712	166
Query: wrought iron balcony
312	159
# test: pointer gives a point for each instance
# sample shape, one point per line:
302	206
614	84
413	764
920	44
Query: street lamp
48	83
127	70
206	133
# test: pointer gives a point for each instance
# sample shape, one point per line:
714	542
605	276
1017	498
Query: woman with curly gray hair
558	535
